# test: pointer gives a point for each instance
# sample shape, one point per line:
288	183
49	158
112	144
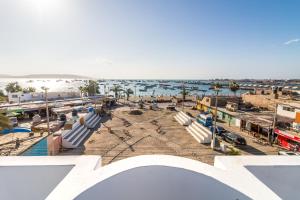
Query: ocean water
165	88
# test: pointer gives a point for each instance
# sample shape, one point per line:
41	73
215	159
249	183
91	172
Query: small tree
2	93
116	89
4	122
128	92
29	90
234	87
13	87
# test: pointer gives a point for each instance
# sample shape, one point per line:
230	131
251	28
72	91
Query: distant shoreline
73	76
52	76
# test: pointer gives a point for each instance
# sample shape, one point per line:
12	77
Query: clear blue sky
151	38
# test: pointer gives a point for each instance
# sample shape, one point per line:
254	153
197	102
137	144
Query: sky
151	39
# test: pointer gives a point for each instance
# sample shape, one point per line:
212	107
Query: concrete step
197	137
183	118
201	134
204	131
179	120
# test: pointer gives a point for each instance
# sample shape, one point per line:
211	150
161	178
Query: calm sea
138	86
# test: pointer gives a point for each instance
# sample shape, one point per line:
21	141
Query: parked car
219	130
288	153
234	138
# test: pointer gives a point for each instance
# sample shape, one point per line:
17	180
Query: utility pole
124	94
106	90
183	91
47	108
95	93
50	136
274	125
213	141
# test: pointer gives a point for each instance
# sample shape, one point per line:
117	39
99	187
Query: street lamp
47	108
124	93
213	141
48	126
95	92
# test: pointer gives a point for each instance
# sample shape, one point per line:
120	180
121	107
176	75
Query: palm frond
4	122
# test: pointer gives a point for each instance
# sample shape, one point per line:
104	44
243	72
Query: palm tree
203	95
184	93
3	99
13	87
234	87
4	122
128	92
116	89
92	88
29	90
1	93
82	90
216	86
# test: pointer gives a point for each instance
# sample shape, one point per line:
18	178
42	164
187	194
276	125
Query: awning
13	114
15	109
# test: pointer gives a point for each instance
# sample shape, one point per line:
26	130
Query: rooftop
149	177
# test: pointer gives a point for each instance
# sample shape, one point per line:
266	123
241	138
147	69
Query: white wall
55	95
237	122
20	96
285	113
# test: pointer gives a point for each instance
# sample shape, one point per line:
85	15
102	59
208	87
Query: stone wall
262	101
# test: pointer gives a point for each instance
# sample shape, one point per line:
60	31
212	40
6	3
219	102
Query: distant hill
59	76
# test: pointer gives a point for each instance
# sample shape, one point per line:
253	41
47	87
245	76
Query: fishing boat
143	90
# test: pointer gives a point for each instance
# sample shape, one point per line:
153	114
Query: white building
288	110
158	177
17	97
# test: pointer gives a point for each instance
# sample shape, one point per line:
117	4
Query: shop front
288	140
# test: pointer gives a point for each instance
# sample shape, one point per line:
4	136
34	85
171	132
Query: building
268	101
288	126
149	177
18	97
290	111
261	101
257	123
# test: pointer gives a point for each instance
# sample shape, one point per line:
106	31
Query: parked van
205	119
13	121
